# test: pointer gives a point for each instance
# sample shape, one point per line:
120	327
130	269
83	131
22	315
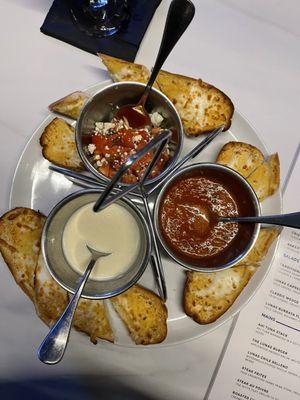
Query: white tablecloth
249	49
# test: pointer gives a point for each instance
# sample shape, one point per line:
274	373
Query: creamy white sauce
112	230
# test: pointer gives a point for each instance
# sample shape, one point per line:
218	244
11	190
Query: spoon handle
54	345
191	154
155	258
291	220
180	14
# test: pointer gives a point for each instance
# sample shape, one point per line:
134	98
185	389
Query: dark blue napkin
124	44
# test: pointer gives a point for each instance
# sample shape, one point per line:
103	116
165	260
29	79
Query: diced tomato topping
86	139
100	142
117	147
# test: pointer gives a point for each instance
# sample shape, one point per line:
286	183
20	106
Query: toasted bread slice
70	105
265	238
266	178
242	157
143	313
208	295
91	318
123	71
50	299
58	145
201	106
20	232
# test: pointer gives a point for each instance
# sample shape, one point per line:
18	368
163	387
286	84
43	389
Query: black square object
123	44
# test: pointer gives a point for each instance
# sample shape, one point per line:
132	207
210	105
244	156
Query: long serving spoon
155	258
53	347
291	220
86	181
180	15
190	155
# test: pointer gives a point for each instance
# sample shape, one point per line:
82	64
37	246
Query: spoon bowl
180	15
55	343
101	108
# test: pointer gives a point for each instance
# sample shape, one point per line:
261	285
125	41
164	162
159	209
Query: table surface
251	50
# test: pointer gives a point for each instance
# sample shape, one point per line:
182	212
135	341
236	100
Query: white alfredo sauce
112	230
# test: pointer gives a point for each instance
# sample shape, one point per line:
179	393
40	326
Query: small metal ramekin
56	261
100	108
240	179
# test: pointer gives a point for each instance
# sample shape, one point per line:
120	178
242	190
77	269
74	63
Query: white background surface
251	50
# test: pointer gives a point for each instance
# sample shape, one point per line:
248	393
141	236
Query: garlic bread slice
201	106
20	233
123	71
143	313
242	157
70	105
91	318
58	145
50	298
260	249
208	295
265	179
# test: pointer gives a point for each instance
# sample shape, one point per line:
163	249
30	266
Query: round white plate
35	186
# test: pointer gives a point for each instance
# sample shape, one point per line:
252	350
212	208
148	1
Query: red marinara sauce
188	217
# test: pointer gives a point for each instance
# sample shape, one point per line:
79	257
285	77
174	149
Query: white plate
35	186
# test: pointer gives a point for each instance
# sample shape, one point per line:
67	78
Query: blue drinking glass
99	17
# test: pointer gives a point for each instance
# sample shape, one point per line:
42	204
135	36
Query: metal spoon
53	347
105	199
291	220
190	155
180	14
90	182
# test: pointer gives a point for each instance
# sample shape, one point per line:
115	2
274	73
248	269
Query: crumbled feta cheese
107	155
99	163
156	119
97	157
103	127
91	148
106	148
137	138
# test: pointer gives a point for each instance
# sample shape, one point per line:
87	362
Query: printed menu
262	357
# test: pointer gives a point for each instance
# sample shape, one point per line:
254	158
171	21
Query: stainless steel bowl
196	266
56	261
101	108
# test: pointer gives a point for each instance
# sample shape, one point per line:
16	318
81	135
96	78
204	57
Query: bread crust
207	296
50	299
265	179
125	71
58	145
202	107
261	247
20	231
143	313
91	318
70	105
242	157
